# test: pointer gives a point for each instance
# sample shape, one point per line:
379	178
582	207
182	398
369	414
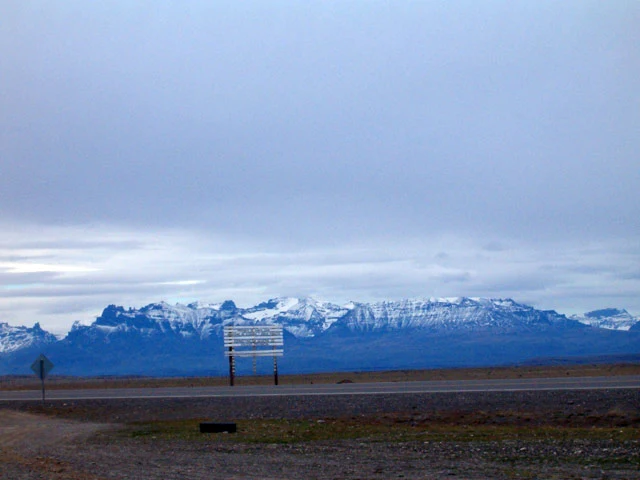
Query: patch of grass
295	431
174	429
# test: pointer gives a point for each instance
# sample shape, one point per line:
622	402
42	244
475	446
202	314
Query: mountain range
163	339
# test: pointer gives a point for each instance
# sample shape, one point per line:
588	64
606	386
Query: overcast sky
346	150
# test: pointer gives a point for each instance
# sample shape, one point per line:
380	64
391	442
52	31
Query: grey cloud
41	245
12	280
632	274
374	119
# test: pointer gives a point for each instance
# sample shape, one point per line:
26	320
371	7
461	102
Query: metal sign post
249	341
232	367
41	367
275	368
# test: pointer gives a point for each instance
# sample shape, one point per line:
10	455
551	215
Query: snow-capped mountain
307	317
163	339
17	338
302	317
193	320
447	314
610	318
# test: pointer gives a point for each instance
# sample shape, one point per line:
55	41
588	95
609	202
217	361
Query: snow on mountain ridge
306	317
609	318
16	338
184	320
441	314
302	317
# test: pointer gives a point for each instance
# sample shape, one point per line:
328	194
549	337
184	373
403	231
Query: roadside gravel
96	452
571	407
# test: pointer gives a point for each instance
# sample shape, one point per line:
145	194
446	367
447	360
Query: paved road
584	383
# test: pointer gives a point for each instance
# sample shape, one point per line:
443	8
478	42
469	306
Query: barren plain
545	434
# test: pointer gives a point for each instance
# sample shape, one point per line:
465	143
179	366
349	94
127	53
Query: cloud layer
62	280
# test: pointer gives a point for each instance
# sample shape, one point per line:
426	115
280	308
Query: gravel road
79	440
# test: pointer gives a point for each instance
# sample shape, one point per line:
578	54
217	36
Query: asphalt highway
511	385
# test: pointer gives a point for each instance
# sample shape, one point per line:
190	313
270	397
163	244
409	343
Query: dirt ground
85	439
26	440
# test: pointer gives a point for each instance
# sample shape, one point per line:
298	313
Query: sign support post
275	367
232	367
41	375
41	367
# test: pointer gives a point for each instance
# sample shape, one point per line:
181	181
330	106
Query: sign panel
41	367
253	336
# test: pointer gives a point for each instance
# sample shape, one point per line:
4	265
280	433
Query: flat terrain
523	434
54	382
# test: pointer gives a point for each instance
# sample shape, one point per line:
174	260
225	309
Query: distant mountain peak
606	312
17	338
609	318
228	306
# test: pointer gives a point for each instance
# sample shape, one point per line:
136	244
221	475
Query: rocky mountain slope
18	338
306	317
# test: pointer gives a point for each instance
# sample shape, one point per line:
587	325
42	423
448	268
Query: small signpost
253	341
41	367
